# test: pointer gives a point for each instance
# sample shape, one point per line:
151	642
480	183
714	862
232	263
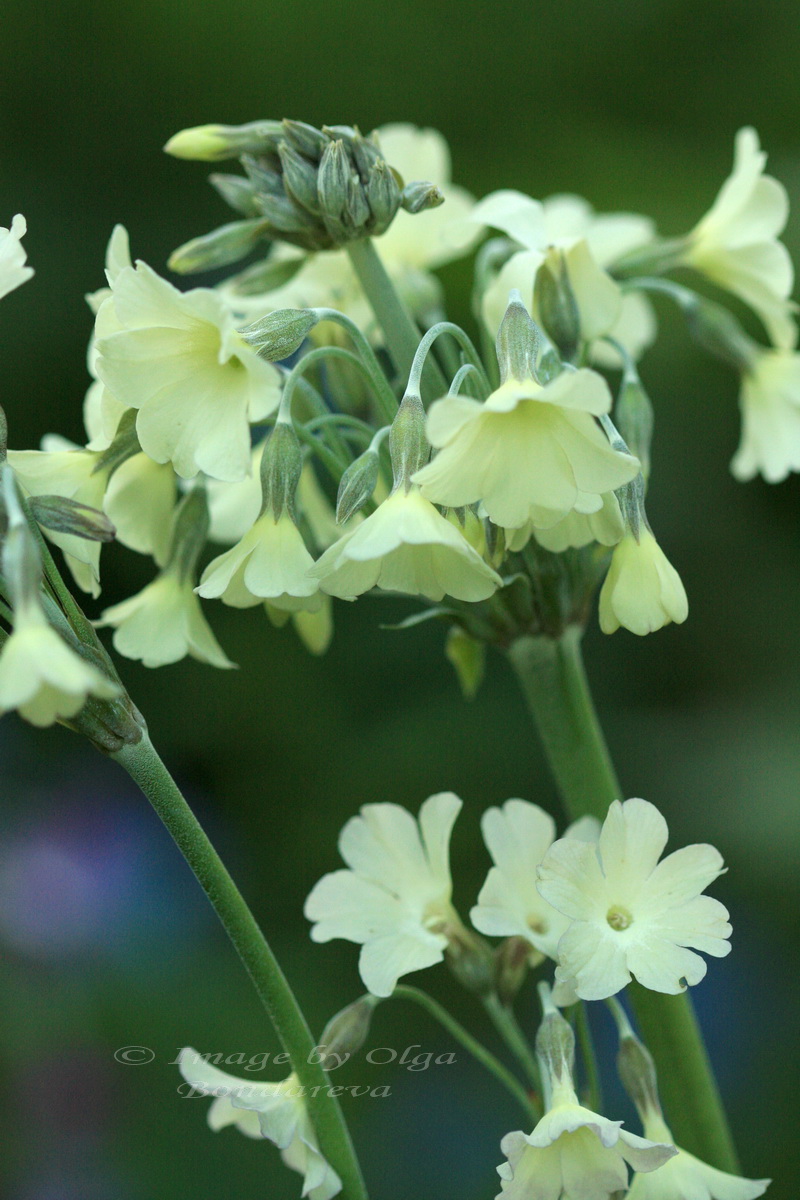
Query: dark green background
106	940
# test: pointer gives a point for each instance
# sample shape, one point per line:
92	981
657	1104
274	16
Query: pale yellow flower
770	404
13	268
642	590
163	623
270	562
685	1177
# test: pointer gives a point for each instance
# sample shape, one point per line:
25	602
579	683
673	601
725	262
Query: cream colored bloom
275	1111
395	898
13	268
406	545
770	404
736	243
41	676
590	243
518	836
270	562
163	623
632	915
578	529
101	412
179	360
685	1177
139	501
530	452
642	590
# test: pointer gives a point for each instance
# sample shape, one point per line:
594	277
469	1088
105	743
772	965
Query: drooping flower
630	913
13	268
685	1177
736	243
163	623
578	529
642	590
770	404
395	898
270	562
530	452
518	836
275	1111
406	545
178	358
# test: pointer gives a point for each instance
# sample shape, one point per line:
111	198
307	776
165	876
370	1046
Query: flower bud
418	196
365	153
555	1047
286	217
346	1032
383	194
471	960
637	1073
633	415
518	341
215	143
299	178
333	182
227	244
238	192
556	306
357	485
265	276
281	464
278	334
265	175
408	445
357	212
305	139
60	515
468	658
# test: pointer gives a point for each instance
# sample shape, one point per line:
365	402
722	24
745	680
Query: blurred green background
106	941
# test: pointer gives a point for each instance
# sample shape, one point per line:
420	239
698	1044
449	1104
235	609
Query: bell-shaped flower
685	1177
630	913
530	452
518	836
642	591
406	545
178	358
101	412
770	404
41	676
275	1111
13	268
591	244
395	898
270	562
736	243
578	529
139	501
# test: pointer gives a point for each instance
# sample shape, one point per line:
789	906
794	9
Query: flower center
618	917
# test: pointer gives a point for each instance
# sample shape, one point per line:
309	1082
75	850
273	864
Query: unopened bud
468	658
365	152
305	139
299	178
286	217
633	416
417	197
60	515
190	523
357	212
215	143
238	192
471	960
357	485
278	334
333	182
227	244
716	329
555	1047
265	276
408	445
637	1072
264	174
556	306
345	1034
281	464
513	959
383	195
518	341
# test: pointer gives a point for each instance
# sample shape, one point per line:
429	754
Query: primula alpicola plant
312	428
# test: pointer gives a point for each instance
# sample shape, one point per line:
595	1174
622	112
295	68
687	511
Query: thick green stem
399	329
474	1047
554	682
148	771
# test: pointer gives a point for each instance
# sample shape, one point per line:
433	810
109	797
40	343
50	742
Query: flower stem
504	1021
148	771
399	329
474	1047
553	680
589	1057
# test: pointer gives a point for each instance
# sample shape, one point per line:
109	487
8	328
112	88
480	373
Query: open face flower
518	836
179	360
630	913
642	590
770	404
736	243
685	1177
406	545
41	676
163	623
270	562
395	898
13	270
274	1111
530	452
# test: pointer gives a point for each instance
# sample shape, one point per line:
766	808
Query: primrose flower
630	913
685	1177
275	1111
530	452
163	623
270	562
736	243
578	529
770	404
13	269
178	358
395	898
642	590
41	676
518	836
406	545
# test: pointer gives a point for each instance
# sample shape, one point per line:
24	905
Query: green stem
474	1047
148	771
367	358
589	1058
506	1025
399	328
554	683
